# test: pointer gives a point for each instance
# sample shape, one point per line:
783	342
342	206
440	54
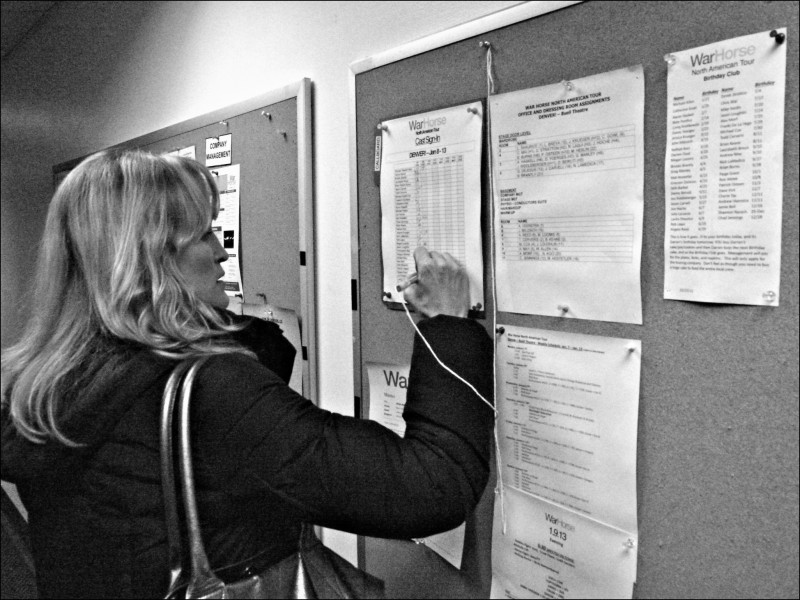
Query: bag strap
203	582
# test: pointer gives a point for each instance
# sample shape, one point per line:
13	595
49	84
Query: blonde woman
128	284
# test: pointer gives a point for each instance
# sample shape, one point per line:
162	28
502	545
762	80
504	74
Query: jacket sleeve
253	436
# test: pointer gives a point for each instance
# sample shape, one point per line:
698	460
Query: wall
98	73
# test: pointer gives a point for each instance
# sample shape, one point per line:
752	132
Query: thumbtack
630	544
282	132
779	37
472	110
266	114
563	308
500	330
769	296
485	44
387	294
670	58
382	127
223	123
631	349
567	84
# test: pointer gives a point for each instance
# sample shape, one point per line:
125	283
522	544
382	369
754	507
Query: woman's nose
220	254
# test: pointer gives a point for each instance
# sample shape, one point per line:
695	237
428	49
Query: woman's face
199	263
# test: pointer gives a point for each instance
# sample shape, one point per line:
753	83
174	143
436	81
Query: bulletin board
717	453
272	143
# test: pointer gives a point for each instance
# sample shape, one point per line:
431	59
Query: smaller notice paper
568	176
724	171
387	399
287	320
226	225
431	193
219	150
548	551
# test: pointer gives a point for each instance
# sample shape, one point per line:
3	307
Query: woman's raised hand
441	286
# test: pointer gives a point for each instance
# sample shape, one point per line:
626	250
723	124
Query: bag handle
202	583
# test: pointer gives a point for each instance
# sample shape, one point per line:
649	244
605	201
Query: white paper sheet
568	170
287	320
226	225
548	551
387	399
724	171
431	193
568	412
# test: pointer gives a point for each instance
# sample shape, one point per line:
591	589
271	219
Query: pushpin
670	58
472	110
266	114
223	123
567	84
500	330
485	44
382	127
779	37
630	544
769	296
563	308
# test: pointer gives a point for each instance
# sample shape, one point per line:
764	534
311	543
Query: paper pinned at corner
430	187
387	399
226	225
724	171
568	407
569	197
287	320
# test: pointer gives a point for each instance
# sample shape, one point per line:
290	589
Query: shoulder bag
314	571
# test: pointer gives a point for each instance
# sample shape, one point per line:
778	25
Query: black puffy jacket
266	459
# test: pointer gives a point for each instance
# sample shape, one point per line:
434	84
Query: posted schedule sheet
430	185
567	427
568	197
724	171
387	400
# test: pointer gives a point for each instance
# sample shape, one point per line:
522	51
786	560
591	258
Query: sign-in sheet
431	193
568	197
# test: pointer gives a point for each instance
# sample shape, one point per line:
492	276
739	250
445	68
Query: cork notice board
717	455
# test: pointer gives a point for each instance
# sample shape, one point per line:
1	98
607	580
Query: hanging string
489	91
444	366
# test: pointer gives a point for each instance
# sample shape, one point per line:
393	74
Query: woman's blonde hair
107	270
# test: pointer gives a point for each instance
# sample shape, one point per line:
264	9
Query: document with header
430	184
568	413
568	197
548	551
387	399
724	171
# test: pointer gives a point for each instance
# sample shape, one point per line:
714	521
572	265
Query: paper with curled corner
387	399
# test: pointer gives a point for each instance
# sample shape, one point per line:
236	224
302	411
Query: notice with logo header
226	225
430	185
547	551
568	167
724	171
387	399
